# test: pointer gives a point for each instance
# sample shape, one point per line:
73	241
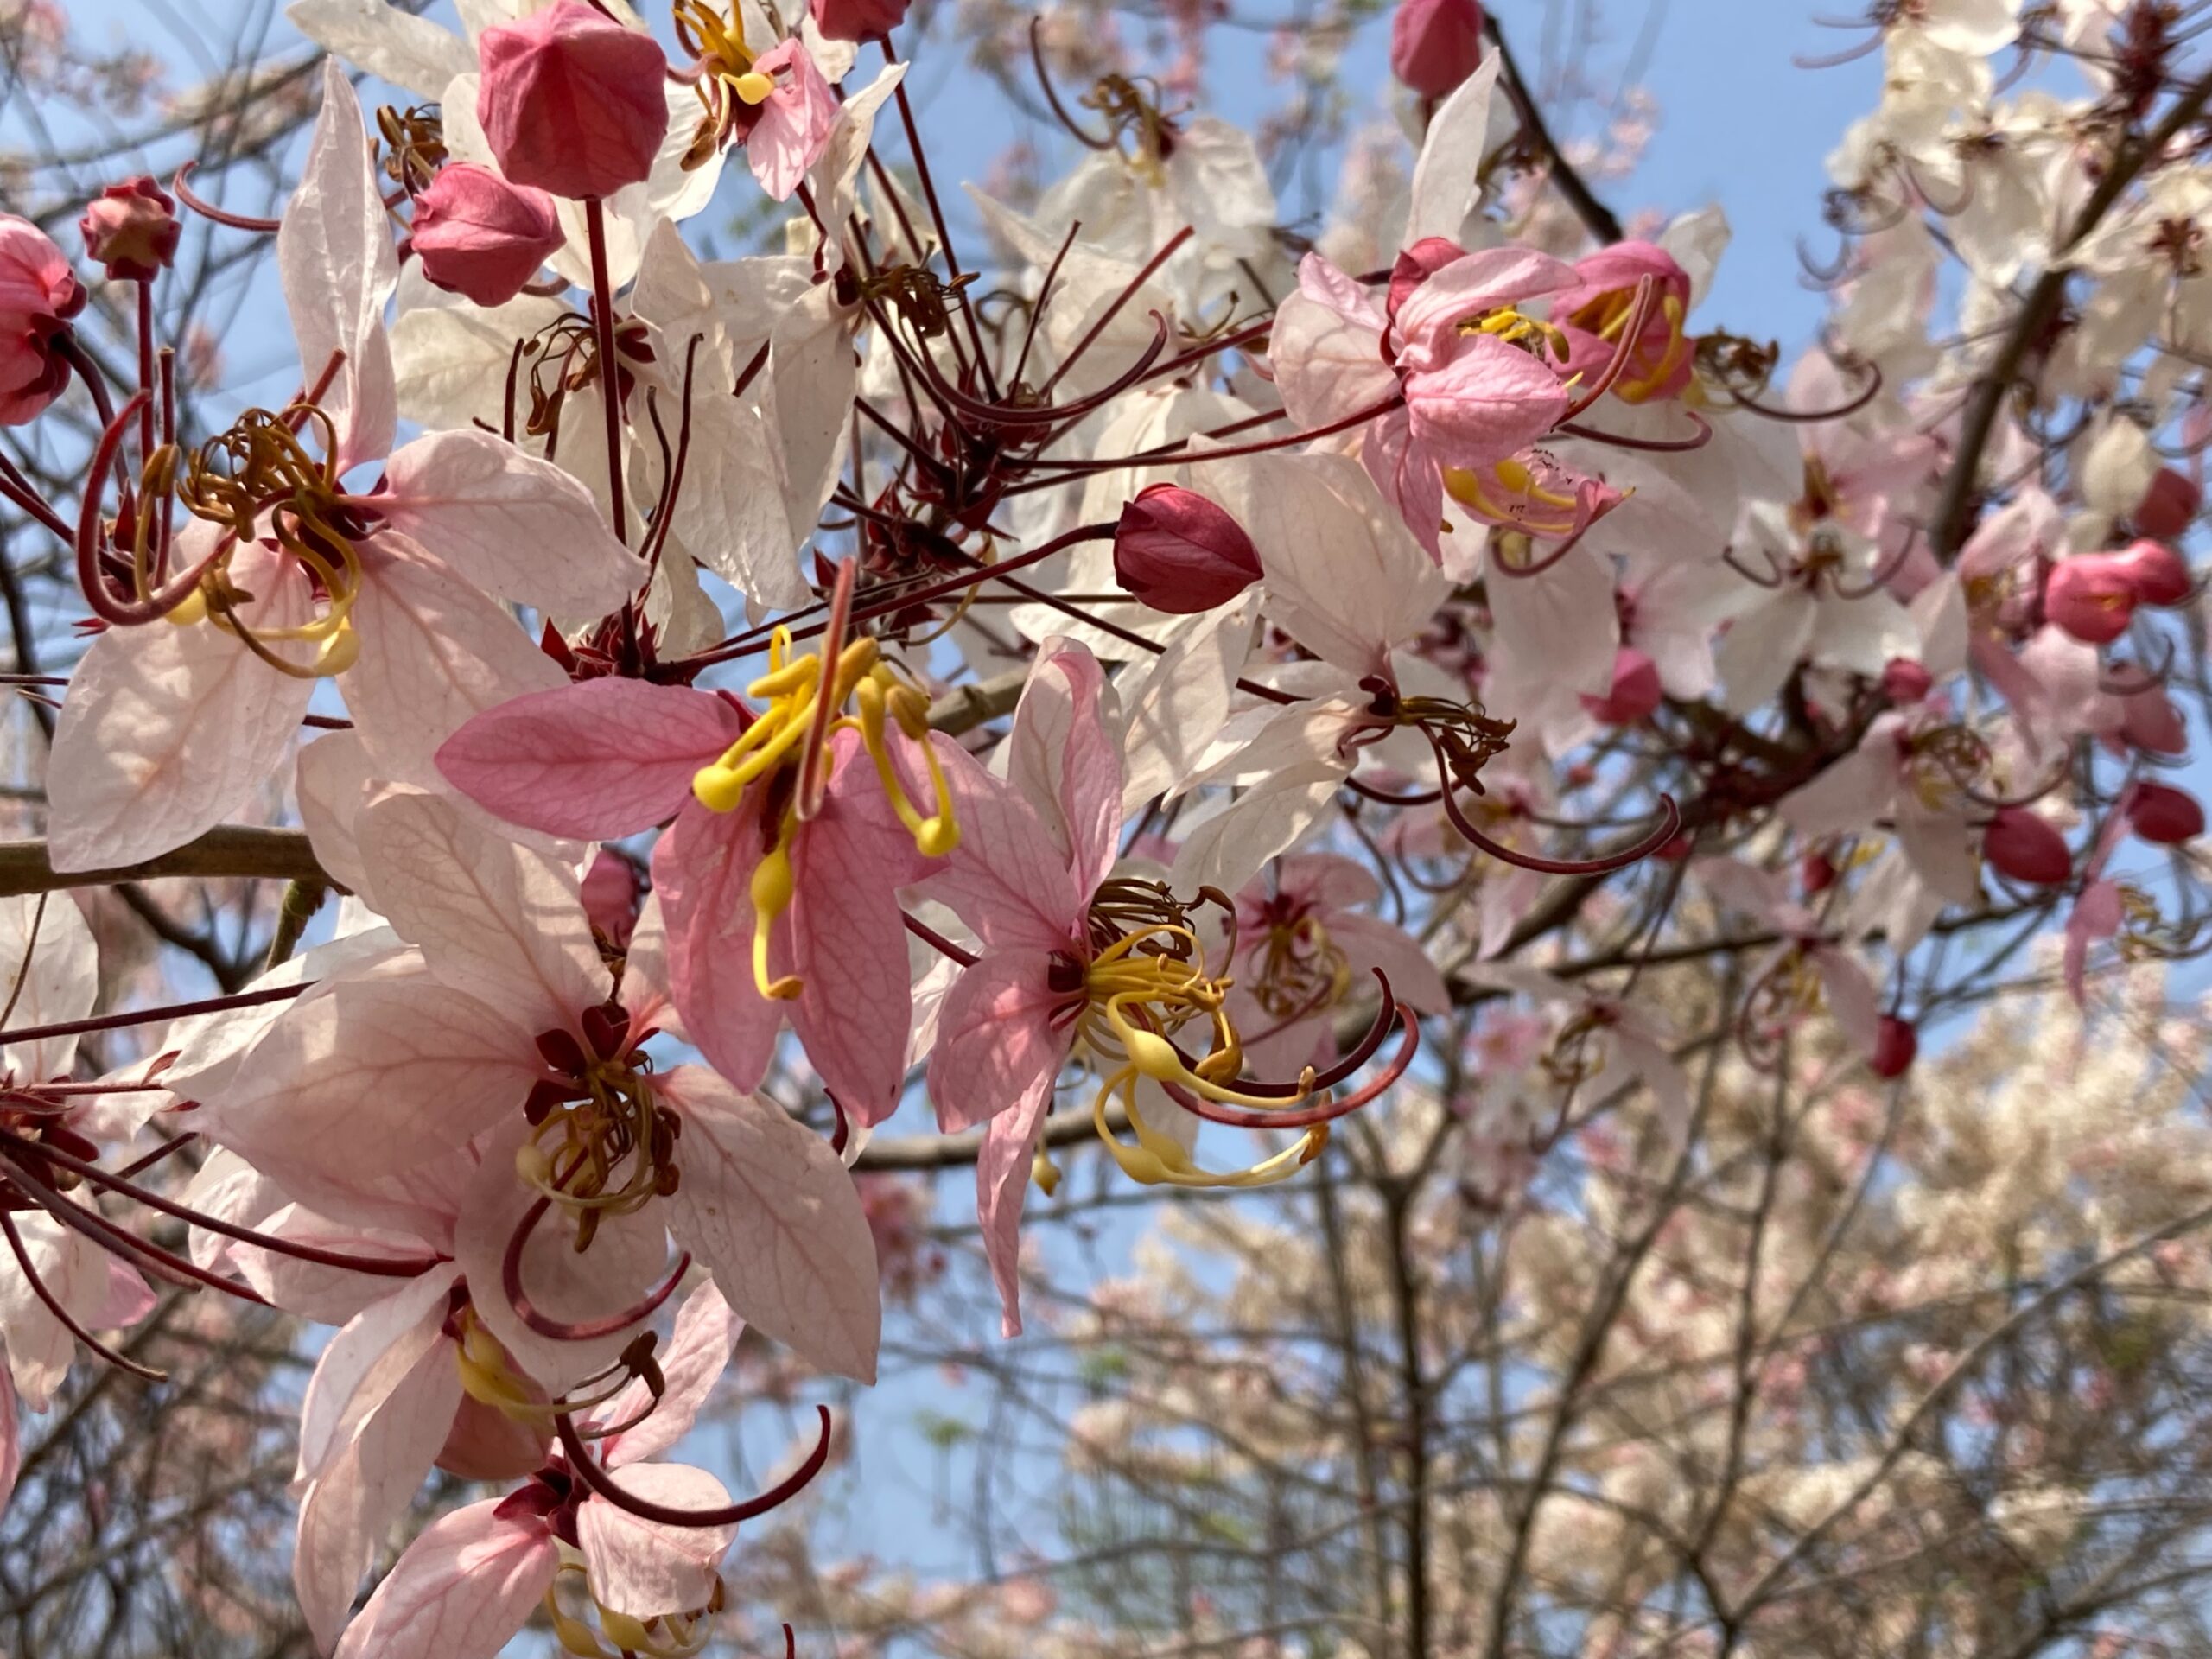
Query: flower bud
1178	552
1897	1044
571	101
2164	816
2023	847
1906	681
2169	506
1815	873
1416	264
857	20
612	894
479	236
2156	572
2089	596
1435	44
132	230
1636	692
38	296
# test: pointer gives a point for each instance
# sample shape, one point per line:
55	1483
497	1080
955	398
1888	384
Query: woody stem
610	377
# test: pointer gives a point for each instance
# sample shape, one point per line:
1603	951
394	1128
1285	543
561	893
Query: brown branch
1598	218
232	849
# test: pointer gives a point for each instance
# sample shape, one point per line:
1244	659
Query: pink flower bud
1416	264
1435	44
2169	506
1897	1044
1906	681
38	296
571	101
857	20
2089	596
479	236
2025	847
1635	690
1179	552
2164	816
612	894
132	230
2156	572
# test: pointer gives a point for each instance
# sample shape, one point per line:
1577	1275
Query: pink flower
786	133
1435	44
168	728
1635	690
769	916
132	230
472	1578
479	236
501	1051
571	101
1597	308
2091	596
1179	553
1457	375
857	20
38	296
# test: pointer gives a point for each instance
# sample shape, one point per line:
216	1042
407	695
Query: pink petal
770	1210
598	760
369	1077
1428	321
516	527
390	1441
702	874
996	1039
1066	761
1007	879
335	259
1483	403
1001	1181
644	1569
435	652
505	923
2095	917
691	1361
795	124
469	1582
167	731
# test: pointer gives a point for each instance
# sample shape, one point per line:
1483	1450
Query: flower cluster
1131	620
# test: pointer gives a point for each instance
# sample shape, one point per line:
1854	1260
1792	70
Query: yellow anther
718	788
573	1635
1045	1172
340	652
625	1631
772	885
754	88
194	609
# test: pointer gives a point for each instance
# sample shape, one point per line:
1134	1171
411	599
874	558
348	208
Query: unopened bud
479	236
2164	816
132	230
571	101
2089	596
857	20
2025	847
1906	681
1636	692
1897	1044
2158	573
2169	506
1178	552
1435	44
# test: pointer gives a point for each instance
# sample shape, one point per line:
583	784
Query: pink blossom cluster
1110	661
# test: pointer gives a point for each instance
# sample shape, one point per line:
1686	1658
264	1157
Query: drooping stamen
593	1475
205	209
1639	317
1650	446
1670	823
545	1324
1329	1110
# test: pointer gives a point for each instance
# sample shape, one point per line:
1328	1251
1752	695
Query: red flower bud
1635	690
1435	44
132	230
38	296
612	894
1179	552
479	236
2090	596
571	101
2169	504
857	20
1815	873
2158	573
1416	264
2025	847
1906	681
1897	1044
2164	816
